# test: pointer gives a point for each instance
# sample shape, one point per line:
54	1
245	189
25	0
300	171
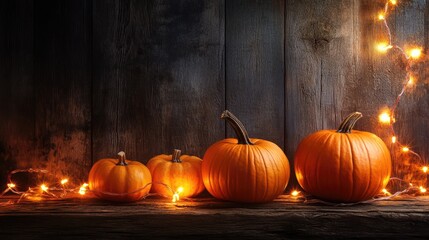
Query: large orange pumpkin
119	179
244	169
170	172
343	165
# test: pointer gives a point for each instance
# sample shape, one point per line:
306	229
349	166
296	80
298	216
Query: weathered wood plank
255	67
320	36
17	86
158	77
412	113
62	50
211	219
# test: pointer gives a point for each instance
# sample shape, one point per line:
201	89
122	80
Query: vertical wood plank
158	77
255	67
16	91
319	64
62	53
412	114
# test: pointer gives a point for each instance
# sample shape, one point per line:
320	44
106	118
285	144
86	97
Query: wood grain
319	65
17	86
62	51
211	219
158	77
254	67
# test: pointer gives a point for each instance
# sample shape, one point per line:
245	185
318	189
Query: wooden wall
81	79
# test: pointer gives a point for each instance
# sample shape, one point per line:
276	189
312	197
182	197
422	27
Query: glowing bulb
176	195
410	81
425	169
415	53
44	187
385	191
64	181
422	189
393	2
11	185
393	139
405	149
384	118
82	189
381	16
383	47
295	193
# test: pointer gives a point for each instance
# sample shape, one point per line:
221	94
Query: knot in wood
318	34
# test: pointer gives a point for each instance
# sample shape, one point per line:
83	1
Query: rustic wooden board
319	64
62	75
208	218
17	86
254	64
158	77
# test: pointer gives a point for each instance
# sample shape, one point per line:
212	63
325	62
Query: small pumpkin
244	169
343	165
170	172
119	179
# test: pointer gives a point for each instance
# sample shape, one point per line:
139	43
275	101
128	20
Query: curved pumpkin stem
348	123
121	159
176	156
240	131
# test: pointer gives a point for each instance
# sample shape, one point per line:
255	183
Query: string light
405	149
44	188
83	189
295	193
383	47
64	181
384	118
176	195
387	117
415	53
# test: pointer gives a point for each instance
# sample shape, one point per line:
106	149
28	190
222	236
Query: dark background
82	80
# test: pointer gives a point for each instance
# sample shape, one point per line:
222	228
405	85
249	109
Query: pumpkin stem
121	159
240	131
175	157
348	123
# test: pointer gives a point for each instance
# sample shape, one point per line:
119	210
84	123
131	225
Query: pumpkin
171	172
119	179
343	165
244	169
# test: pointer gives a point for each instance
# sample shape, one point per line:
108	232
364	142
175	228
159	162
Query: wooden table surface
206	218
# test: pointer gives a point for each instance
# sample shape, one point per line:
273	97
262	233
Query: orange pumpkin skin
176	171
343	166
126	182
242	172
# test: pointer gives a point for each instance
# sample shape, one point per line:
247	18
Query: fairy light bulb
11	185
381	17
383	47
393	2
295	193
64	181
385	191
415	53
405	149
422	189
394	139
384	118
425	169
176	195
82	189
44	188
